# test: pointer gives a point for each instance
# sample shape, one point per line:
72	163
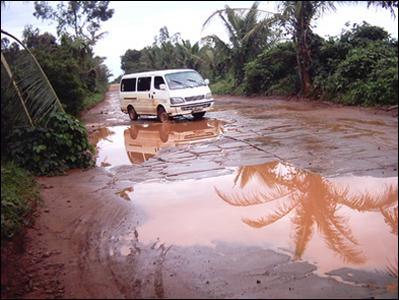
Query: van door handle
152	97
149	95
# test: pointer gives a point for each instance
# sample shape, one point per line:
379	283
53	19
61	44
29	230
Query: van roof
156	72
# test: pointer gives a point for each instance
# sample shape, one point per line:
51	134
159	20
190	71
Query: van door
160	96
144	94
128	93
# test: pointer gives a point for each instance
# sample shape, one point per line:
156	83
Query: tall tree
82	18
296	17
391	5
247	36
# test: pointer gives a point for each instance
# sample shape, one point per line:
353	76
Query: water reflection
122	145
100	134
143	141
314	203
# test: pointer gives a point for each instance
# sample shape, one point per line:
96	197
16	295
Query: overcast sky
135	23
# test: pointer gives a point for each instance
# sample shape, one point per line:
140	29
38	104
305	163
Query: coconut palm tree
247	36
296	17
314	201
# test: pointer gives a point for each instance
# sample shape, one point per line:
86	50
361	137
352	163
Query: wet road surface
262	198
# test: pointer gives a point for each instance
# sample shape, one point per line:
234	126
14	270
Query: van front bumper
185	108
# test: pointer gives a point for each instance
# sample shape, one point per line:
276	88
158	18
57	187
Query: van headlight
176	100
208	96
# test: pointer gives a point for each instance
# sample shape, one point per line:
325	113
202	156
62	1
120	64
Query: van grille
194	98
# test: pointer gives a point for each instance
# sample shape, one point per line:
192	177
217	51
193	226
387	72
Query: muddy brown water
264	198
272	205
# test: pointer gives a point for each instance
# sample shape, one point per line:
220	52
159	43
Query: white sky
135	23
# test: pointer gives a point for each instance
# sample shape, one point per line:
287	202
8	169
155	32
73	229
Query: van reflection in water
143	141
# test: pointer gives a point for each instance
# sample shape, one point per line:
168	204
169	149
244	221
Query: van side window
144	84
158	80
128	85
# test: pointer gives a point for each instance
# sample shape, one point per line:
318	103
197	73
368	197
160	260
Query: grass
222	87
19	196
93	100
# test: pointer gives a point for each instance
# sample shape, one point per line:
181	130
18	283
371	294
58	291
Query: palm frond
303	222
337	243
256	29
248	198
391	218
279	213
32	84
369	202
217	41
392	268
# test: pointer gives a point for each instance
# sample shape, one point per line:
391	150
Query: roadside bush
358	68
19	195
367	76
273	72
223	87
70	65
53	149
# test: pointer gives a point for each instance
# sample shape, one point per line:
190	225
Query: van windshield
182	80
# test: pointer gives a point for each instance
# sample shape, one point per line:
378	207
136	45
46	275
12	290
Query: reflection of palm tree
391	219
314	201
100	134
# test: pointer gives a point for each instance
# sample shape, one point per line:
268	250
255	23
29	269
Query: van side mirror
206	81
162	86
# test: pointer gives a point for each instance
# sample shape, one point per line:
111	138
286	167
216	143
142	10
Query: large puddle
331	222
124	145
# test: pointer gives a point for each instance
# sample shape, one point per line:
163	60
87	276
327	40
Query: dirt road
264	198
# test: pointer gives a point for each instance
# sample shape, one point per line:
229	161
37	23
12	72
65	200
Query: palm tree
189	56
247	37
314	201
296	17
29	86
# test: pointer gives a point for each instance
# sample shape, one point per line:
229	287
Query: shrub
273	72
367	76
53	149
223	87
19	195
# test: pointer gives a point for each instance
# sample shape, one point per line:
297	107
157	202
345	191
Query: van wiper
195	81
179	82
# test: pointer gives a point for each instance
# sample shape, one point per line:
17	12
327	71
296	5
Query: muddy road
264	198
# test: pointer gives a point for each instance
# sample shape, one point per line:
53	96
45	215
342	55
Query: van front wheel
132	113
198	115
162	115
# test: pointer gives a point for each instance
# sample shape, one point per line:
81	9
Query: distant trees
167	52
72	71
80	19
69	59
258	58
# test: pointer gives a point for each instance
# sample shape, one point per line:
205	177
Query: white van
165	94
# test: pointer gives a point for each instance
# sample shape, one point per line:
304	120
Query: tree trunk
303	53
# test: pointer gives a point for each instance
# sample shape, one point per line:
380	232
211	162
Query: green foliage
93	100
359	68
273	72
83	18
72	69
52	150
19	195
25	84
223	87
248	35
168	52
